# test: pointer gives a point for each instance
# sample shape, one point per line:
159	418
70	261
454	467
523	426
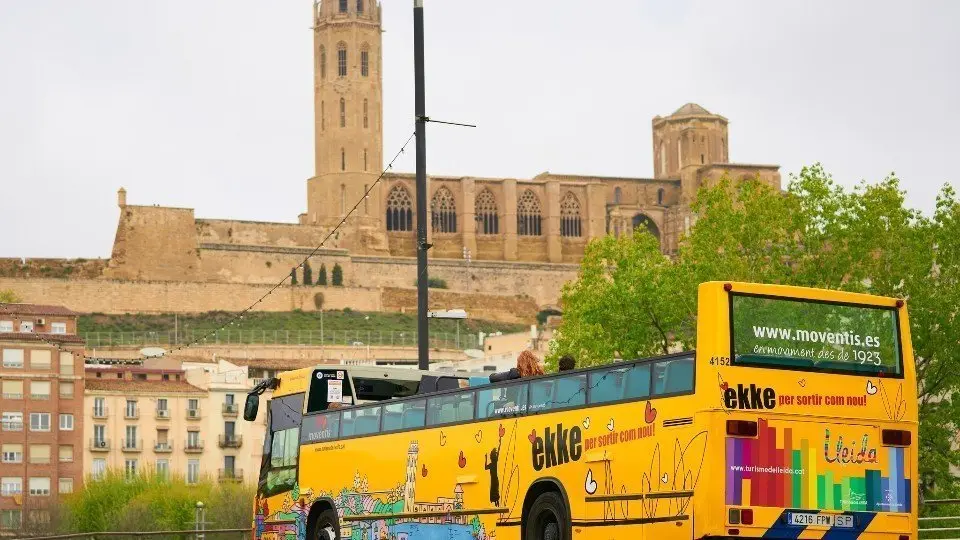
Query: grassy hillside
295	320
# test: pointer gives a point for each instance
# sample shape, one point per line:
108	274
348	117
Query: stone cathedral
506	235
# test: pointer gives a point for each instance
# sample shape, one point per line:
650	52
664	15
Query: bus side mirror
250	407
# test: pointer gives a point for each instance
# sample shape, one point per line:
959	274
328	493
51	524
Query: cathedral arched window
485	208
528	214
359	7
365	60
343	6
323	116
399	209
663	159
660	196
617	195
570	224
341	59
323	62
343	159
443	208
343	112
366	114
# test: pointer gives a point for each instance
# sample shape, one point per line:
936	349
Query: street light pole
423	334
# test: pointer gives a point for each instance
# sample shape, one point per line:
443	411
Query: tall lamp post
423	333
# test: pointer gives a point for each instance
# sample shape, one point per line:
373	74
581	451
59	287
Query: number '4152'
720	361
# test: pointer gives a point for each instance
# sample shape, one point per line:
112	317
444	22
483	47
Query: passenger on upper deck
567	363
528	365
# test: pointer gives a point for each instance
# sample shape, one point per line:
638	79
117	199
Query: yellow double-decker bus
796	417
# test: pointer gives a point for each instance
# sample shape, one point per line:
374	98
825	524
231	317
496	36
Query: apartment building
41	432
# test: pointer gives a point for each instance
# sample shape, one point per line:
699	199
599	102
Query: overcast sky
208	104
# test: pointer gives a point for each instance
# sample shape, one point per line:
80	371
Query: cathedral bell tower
348	106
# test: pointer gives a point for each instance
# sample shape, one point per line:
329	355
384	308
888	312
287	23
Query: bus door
278	470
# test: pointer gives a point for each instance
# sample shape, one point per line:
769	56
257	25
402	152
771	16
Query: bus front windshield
814	335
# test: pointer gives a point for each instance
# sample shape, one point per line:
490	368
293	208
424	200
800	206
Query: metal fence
355	338
946	527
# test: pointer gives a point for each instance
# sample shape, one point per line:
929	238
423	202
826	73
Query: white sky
208	104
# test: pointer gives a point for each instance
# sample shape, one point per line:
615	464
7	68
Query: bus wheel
547	518
327	526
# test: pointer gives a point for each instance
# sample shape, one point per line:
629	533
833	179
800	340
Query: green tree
293	276
337	277
322	276
8	297
307	274
628	301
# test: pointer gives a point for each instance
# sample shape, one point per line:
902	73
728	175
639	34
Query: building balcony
230	475
194	447
163	447
132	445
12	426
163	414
131	414
231	409
99	445
100	412
40	397
11	395
193	414
231	441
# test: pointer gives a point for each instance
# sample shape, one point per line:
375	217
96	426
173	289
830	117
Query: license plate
821	520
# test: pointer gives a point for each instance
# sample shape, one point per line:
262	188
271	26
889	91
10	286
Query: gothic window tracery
323	62
341	59
365	60
399	209
343	112
529	217
443	208
485	208
570	223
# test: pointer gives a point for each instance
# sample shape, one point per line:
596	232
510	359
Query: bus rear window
814	335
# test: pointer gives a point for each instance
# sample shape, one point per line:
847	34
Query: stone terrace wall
506	308
52	268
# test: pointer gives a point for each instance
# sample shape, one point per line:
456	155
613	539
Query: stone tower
410	486
348	108
688	139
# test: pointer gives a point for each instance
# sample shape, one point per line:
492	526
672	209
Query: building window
343	112
11	519
342	59
131	410
679	154
366	188
366	116
12	389
162	406
130	467
13	358
99	408
660	196
399	209
570	216
10	486
40	390
343	6
12	453
359	7
485	208
193	471
131	441
343	199
193	439
365	62
40	454
66	363
58	328
723	142
364	168
6	326
99	468
663	159
40	486
443	209
528	214
323	116
66	422
12	421
26	327
100	436
40	359
65	485
65	453
323	62
701	159
163	468
66	389
617	195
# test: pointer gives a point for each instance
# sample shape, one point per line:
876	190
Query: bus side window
360	421
450	408
504	401
631	382
673	376
558	393
403	415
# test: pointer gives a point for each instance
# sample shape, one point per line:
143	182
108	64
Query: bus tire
327	526
547	518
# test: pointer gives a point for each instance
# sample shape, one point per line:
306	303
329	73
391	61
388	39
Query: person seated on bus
528	365
567	363
334	405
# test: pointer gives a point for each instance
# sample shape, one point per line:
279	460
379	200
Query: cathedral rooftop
690	108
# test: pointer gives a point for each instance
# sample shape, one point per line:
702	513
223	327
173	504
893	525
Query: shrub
293	276
8	297
322	276
318	301
337	276
307	274
432	283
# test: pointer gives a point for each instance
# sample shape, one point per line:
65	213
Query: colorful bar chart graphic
797	475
